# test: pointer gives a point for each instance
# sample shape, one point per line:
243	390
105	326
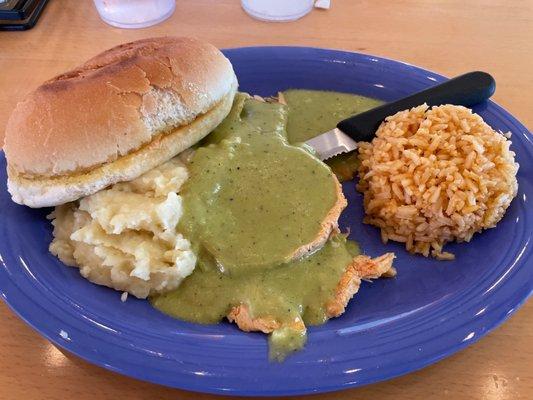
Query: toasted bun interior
115	117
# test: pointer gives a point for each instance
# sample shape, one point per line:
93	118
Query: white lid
277	10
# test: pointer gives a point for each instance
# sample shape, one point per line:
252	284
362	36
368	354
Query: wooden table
446	36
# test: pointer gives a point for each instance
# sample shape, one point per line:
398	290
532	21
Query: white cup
277	10
134	13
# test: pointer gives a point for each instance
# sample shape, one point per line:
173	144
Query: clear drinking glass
134	13
277	10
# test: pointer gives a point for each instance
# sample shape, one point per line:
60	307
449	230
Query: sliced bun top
114	104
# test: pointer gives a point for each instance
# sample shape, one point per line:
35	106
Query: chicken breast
362	267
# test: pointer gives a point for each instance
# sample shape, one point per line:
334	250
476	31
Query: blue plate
393	326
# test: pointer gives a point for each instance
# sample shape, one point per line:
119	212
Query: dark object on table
20	14
466	90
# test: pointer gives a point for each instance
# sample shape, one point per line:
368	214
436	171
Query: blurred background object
134	13
277	10
323	4
18	15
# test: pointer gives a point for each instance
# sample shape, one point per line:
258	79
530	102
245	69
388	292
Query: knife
465	90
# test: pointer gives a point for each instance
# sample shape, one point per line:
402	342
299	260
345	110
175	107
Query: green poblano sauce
251	200
313	112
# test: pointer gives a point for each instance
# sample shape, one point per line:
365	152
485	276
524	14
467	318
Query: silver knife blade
331	143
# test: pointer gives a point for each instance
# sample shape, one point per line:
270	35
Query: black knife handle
465	90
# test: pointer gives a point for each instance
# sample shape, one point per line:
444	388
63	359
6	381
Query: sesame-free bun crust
54	190
115	117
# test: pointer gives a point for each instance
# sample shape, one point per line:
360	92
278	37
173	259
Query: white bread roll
114	118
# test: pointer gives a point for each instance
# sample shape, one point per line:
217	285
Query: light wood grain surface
447	36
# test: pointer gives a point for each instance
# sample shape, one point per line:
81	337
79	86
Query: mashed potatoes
125	236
